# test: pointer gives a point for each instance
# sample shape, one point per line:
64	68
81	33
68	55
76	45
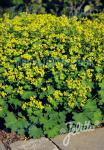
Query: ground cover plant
51	72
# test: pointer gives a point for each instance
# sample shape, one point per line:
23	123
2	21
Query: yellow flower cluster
57	94
26	56
33	103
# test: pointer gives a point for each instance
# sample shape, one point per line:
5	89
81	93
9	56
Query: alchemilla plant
51	72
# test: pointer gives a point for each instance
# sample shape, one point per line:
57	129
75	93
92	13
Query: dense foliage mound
51	72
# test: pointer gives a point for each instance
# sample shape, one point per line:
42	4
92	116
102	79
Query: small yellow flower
57	94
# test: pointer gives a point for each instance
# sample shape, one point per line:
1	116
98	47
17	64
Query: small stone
2	147
34	144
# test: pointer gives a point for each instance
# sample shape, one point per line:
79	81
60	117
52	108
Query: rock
34	144
92	140
2	147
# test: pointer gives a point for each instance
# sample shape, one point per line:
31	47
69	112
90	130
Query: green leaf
80	117
17	2
97	117
35	132
27	94
55	130
90	106
2	101
3	111
27	87
101	93
9	89
15	102
22	123
102	84
2	69
50	90
11	121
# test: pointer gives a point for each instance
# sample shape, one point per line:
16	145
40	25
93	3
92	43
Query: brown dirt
8	138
